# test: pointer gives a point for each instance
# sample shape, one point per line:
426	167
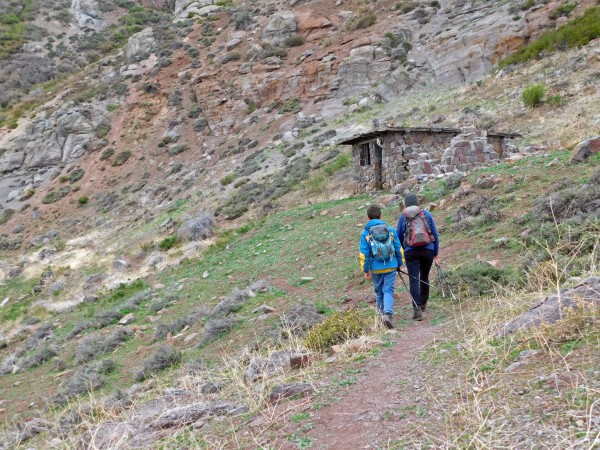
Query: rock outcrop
86	13
553	307
281	26
140	43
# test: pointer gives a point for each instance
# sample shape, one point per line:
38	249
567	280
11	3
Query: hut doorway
377	158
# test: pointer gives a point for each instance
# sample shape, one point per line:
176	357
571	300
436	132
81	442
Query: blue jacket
370	264
401	228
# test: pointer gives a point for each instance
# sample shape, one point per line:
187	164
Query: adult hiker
380	258
421	245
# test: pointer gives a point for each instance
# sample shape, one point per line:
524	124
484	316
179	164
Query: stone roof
375	132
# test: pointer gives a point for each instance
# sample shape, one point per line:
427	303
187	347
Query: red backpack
418	231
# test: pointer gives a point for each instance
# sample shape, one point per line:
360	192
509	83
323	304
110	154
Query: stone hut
386	156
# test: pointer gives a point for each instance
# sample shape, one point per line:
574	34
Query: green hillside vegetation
575	33
14	24
308	255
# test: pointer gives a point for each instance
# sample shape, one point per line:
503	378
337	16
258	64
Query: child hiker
380	258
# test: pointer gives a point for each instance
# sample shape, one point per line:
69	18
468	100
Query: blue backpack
382	242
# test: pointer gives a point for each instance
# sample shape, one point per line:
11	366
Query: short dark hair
374	212
411	199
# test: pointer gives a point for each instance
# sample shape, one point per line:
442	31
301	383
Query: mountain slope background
127	126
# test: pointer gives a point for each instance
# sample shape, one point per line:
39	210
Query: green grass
20	295
13	25
575	33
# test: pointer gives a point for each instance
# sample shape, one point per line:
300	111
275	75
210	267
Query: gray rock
288	390
120	265
86	13
281	26
140	43
43	239
107	435
551	309
188	414
211	387
276	363
585	149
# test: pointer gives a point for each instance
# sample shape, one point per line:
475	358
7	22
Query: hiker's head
411	199
374	212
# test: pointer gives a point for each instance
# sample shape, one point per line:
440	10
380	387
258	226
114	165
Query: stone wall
422	153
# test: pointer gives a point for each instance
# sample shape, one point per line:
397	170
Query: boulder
140	43
585	149
281	26
552	308
86	13
287	390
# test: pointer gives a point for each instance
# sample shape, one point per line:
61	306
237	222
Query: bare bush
163	357
94	345
198	228
43	354
217	328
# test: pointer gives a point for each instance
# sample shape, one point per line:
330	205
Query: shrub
102	129
555	100
294	40
228	179
217	328
197	228
575	33
533	95
106	154
177	149
76	175
163	357
111	107
168	242
63	178
232	56
5	215
54	196
105	318
83	199
194	111
94	345
342	161
164	329
291	105
479	278
563	10
43	354
406	7
88	378
251	105
364	21
121	158
242	19
160	304
337	328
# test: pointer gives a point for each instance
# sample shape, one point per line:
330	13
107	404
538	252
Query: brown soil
363	418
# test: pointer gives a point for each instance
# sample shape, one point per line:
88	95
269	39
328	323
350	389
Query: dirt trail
372	413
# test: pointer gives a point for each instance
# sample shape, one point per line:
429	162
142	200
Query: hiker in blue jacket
380	258
419	257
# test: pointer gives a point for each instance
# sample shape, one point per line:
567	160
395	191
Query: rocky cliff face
210	86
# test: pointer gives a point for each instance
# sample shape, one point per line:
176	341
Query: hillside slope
176	218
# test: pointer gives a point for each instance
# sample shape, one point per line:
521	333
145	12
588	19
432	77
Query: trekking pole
415	278
440	278
444	280
408	290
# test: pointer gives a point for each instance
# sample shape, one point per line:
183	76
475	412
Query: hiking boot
387	321
417	314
